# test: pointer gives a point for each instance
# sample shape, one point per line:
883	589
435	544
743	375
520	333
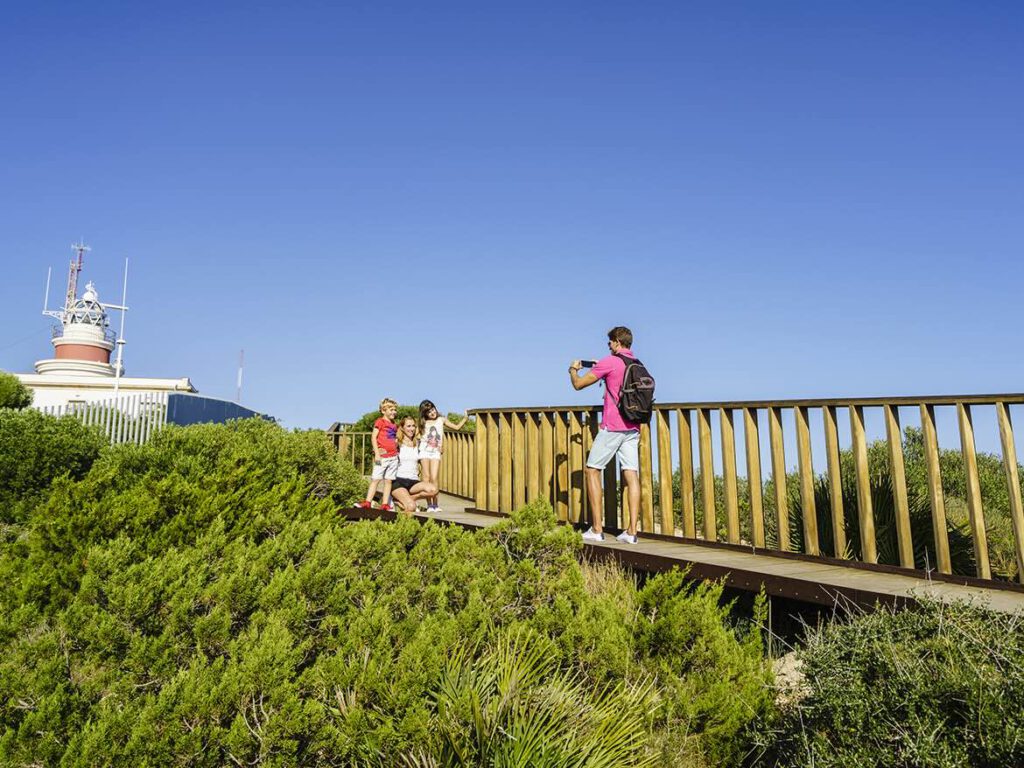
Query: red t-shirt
387	432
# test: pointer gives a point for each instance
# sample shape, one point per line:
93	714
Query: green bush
514	705
883	509
13	394
941	686
365	422
35	449
197	600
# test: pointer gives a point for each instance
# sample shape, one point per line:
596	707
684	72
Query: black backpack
636	397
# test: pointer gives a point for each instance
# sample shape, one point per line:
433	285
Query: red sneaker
364	505
386	508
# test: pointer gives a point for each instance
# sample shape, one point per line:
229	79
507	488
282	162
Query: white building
80	370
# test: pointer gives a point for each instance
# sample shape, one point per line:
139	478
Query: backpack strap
627	360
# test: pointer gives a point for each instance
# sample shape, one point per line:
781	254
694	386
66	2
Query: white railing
126	419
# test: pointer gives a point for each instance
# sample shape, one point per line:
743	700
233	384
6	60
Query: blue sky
452	200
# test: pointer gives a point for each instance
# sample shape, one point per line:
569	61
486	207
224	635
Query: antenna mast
120	336
80	249
241	363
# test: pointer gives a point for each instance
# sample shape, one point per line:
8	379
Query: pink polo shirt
612	370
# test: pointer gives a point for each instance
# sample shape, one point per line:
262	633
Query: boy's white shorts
385	469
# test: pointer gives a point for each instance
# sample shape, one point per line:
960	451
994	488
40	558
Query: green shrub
13	394
196	600
35	449
365	422
883	509
514	705
941	685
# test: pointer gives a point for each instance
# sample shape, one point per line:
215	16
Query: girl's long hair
425	407
402	438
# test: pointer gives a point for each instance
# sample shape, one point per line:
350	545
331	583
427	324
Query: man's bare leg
595	496
633	489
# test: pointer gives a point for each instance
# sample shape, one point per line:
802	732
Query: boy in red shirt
385	454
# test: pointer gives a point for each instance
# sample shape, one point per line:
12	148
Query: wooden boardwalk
801	579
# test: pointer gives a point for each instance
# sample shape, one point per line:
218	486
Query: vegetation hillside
198	601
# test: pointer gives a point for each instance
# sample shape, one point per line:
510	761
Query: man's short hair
621	334
386	402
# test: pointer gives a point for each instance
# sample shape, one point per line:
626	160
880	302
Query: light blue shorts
625	445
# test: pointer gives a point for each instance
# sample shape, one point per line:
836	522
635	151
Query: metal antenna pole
46	298
241	363
120	339
76	267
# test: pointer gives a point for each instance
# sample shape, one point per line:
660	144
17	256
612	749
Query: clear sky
453	200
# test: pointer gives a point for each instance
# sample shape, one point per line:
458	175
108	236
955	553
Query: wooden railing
520	454
457	466
353	446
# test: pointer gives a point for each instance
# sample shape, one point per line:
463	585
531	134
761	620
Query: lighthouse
84	367
83	342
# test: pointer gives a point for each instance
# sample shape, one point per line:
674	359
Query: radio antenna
80	248
120	335
46	298
241	363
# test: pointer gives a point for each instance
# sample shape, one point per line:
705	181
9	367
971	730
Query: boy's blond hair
386	402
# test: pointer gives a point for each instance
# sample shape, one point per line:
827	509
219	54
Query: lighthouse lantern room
84	340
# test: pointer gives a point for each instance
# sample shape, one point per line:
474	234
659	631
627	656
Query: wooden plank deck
823	583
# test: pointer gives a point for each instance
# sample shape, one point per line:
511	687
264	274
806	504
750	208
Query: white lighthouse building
81	369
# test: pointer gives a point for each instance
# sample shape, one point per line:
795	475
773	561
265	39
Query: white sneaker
592	535
626	538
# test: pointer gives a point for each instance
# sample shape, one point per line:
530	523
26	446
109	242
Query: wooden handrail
522	453
518	454
1009	399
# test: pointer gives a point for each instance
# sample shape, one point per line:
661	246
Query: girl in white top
432	445
407	488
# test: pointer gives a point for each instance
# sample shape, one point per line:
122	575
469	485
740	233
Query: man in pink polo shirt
617	437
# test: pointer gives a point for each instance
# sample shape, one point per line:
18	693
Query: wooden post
779	476
493	470
707	473
865	511
665	472
931	454
894	437
533	490
752	439
688	512
562	466
803	452
1012	484
546	442
974	508
732	502
518	460
646	480
576	461
835	481
481	438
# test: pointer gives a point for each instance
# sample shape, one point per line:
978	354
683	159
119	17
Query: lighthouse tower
84	340
82	369
82	373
